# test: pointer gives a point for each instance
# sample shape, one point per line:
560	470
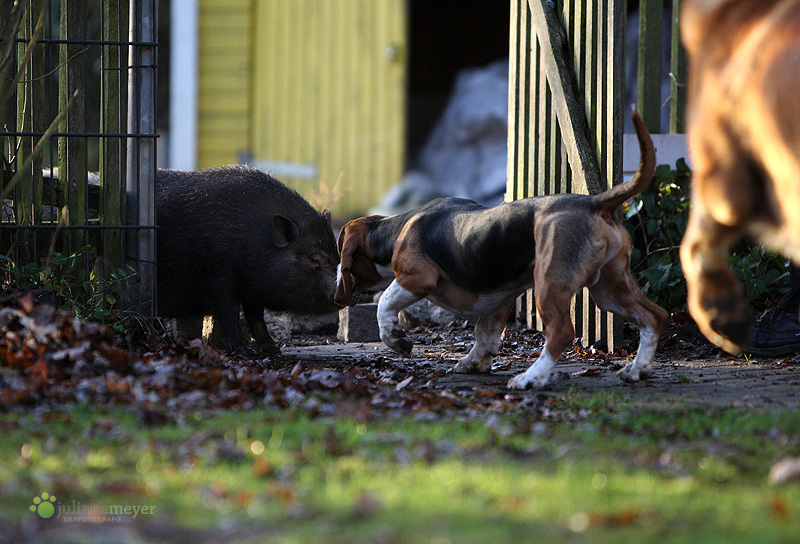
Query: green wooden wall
311	90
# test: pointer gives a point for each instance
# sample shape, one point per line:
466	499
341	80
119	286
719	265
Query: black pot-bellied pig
232	235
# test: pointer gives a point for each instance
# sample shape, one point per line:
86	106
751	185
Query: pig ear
326	215
284	231
347	244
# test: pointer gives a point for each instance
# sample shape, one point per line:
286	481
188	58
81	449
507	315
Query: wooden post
112	153
30	108
678	75
649	71
141	152
72	149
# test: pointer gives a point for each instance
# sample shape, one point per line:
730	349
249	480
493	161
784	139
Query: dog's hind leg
552	304
617	291
488	337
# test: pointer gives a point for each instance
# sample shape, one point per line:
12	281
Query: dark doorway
445	37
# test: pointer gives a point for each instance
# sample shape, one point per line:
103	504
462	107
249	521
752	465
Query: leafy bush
64	276
657	220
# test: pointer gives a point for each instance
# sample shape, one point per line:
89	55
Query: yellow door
328	97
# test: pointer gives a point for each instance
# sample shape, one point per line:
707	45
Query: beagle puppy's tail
611	199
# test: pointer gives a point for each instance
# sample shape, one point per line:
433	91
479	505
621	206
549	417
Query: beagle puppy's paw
468	365
463	366
631	373
398	341
527	379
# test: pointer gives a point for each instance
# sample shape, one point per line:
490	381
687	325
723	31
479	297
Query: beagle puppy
475	261
744	139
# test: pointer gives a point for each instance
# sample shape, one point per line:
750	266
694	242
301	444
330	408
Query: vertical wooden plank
604	98
590	106
552	146
72	149
531	163
30	117
542	111
616	92
340	112
265	95
649	70
582	45
537	128
532	113
678	75
394	47
112	203
323	153
365	141
303	120
601	129
518	77
521	83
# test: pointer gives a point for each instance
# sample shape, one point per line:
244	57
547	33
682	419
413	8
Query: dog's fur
476	261
744	139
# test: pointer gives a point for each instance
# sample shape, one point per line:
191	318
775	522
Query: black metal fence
77	138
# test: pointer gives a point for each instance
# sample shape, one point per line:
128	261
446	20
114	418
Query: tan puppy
475	261
744	138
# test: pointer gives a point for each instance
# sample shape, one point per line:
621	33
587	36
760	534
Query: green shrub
69	279
657	220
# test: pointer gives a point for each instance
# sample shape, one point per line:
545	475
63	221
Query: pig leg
254	314
227	317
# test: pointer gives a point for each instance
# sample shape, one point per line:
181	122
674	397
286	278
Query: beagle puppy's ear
350	239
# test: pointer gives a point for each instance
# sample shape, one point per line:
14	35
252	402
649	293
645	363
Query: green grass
593	469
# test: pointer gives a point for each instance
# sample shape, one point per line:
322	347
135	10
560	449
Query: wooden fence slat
111	156
515	74
72	149
615	21
30	104
678	75
649	72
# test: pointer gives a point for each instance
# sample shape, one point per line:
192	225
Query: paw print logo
44	505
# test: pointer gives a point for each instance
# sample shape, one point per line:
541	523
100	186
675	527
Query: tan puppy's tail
611	199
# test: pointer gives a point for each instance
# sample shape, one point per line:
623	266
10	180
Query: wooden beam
651	14
678	76
569	109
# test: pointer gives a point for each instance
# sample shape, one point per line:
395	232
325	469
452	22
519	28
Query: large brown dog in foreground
744	139
475	261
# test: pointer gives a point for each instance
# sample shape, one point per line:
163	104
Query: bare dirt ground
687	368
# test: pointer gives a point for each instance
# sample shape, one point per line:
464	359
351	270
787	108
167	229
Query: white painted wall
183	84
